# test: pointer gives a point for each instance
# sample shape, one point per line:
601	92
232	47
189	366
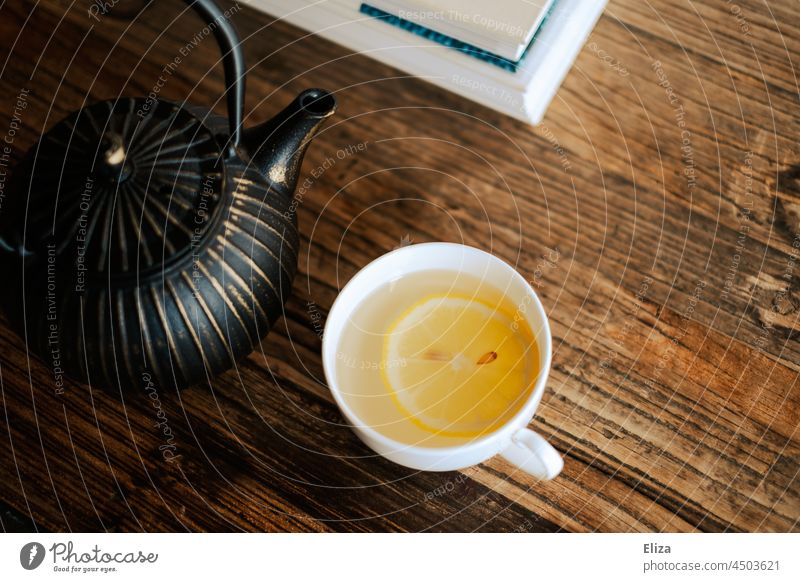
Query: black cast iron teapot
143	239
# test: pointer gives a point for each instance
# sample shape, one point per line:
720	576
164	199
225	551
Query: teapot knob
112	157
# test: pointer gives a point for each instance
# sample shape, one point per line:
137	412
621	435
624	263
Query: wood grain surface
656	210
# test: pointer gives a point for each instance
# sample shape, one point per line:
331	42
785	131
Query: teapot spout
277	146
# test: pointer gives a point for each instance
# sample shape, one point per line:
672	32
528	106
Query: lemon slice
459	366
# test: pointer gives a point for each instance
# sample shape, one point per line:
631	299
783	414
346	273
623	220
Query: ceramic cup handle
534	455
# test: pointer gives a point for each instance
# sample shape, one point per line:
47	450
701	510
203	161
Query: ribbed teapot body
169	272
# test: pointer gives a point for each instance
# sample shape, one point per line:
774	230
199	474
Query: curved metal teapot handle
232	60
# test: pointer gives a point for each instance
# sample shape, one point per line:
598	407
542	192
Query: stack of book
510	55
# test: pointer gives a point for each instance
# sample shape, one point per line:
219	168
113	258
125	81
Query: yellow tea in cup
436	358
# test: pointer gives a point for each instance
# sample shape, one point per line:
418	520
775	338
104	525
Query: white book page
504	27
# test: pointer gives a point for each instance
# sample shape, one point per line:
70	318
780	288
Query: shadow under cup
371	409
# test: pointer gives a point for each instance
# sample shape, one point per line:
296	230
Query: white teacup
513	440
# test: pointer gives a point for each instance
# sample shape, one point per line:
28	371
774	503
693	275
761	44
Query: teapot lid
123	187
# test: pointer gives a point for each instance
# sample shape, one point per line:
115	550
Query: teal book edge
451	42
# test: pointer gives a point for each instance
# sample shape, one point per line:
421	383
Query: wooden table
656	209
